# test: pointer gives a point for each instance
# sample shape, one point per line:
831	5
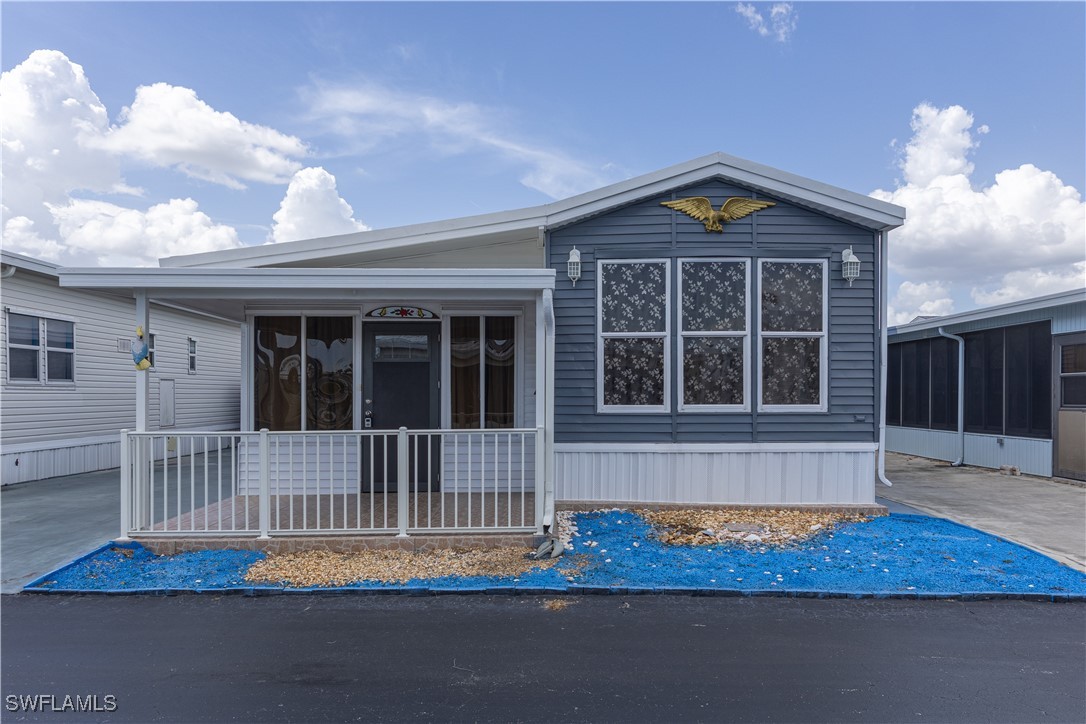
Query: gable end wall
647	229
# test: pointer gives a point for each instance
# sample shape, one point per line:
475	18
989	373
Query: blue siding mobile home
679	364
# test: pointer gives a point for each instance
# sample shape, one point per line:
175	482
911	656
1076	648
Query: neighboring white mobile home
68	375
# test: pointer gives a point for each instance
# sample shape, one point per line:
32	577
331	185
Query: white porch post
540	413
548	403
126	488
143	379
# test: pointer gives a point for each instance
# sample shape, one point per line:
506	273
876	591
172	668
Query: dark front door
400	372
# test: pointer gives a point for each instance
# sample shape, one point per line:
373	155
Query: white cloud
782	20
928	299
1028	283
369	114
312	208
51	120
57	139
1021	233
21	237
116	236
170	126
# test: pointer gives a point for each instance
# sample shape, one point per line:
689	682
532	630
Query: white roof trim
1025	305
21	261
847	205
240	283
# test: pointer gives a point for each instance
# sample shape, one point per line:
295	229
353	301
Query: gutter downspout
961	396
883	271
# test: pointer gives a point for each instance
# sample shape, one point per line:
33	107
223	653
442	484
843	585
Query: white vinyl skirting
785	474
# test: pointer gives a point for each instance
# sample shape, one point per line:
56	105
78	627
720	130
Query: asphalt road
601	658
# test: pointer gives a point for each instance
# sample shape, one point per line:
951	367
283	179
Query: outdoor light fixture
573	266
850	266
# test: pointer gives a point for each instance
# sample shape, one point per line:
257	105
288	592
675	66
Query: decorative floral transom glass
634	296
634	310
793	333
714	332
791	296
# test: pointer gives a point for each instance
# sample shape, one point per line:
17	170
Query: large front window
322	386
793	329
714	328
483	368
634	310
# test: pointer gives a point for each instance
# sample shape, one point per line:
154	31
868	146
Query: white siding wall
1032	456
776	474
62	430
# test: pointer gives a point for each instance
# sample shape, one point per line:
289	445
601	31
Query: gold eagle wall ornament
700	208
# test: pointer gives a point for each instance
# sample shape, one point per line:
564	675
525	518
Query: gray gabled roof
521	224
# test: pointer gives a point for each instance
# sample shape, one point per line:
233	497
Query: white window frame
665	335
248	378
823	337
151	350
42	348
445	378
192	354
684	333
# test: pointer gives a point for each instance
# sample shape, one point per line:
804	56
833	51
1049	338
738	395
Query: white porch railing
355	482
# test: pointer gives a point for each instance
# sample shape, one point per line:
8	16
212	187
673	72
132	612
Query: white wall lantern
850	266
573	266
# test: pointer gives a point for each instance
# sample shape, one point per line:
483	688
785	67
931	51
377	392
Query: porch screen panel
893	385
277	390
464	336
329	343
500	371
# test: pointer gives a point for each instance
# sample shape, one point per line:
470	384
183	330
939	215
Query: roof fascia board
21	261
303	279
372	241
1025	305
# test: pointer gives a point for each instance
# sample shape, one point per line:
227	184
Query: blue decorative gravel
896	555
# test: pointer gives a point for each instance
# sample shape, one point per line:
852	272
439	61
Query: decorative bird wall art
700	208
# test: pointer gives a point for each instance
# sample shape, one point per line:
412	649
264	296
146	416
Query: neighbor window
40	349
715	333
192	356
1073	375
483	391
634	309
792	354
151	350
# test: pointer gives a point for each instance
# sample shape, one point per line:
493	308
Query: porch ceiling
226	292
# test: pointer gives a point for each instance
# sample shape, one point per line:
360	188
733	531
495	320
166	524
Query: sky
133	131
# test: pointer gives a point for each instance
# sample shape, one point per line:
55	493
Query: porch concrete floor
1047	516
320	514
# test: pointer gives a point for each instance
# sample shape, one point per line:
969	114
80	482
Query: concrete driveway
1047	516
46	523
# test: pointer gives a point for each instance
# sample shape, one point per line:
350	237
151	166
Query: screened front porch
372	401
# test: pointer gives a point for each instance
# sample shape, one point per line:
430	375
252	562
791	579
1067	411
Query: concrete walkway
46	523
1046	516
